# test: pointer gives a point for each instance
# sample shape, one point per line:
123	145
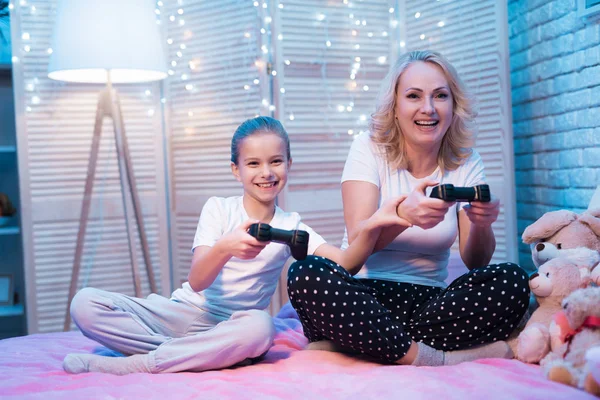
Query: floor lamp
108	42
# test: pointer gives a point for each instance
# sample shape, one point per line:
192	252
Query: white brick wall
555	77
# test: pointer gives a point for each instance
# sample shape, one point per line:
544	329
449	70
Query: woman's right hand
422	211
241	244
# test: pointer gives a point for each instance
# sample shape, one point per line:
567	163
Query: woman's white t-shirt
417	255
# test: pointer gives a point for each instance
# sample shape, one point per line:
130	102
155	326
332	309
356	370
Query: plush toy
579	324
560	230
554	280
591	382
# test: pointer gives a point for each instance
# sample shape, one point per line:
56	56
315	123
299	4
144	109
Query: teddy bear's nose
539	246
535	275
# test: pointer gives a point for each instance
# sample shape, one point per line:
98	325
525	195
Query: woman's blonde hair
385	130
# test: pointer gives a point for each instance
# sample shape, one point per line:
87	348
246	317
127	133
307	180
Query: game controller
297	240
449	192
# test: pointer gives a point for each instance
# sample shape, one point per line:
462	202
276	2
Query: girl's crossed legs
164	335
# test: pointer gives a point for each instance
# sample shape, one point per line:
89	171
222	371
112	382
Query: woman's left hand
483	214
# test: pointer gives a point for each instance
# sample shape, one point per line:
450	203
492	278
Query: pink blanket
31	368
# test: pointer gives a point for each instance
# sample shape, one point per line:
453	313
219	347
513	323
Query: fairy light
417	14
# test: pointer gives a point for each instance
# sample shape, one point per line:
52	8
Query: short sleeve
361	164
474	174
210	225
314	239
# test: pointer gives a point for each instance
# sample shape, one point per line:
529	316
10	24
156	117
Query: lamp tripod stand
109	105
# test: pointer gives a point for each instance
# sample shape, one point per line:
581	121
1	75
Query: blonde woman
397	308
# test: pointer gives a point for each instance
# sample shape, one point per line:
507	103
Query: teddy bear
591	382
557	231
579	331
555	279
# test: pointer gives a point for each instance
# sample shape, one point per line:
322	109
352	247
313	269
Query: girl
216	320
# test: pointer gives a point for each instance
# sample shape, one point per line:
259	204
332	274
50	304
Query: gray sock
428	356
78	363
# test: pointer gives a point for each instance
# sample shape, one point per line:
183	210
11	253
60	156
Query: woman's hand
241	244
483	214
422	211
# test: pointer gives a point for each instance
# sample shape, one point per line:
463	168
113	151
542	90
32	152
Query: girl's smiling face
262	166
424	105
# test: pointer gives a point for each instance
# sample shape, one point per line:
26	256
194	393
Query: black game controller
297	240
449	192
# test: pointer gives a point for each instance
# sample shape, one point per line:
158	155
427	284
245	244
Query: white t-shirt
417	255
241	284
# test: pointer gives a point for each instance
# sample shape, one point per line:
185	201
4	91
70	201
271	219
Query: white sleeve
314	239
361	164
210	225
474	174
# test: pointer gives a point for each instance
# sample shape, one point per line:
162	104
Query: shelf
8	149
9	230
11	311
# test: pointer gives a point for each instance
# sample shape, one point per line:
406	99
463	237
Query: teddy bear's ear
548	225
592	219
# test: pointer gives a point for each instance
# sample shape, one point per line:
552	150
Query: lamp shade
121	36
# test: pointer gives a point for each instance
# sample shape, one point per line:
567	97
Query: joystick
297	240
449	192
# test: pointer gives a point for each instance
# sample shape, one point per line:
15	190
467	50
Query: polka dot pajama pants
380	318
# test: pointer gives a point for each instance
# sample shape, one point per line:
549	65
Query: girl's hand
241	244
387	215
483	214
422	211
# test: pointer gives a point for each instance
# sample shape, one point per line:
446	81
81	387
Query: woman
398	308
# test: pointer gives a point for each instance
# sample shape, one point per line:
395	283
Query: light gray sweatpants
176	336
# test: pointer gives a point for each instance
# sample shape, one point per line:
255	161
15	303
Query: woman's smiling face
424	105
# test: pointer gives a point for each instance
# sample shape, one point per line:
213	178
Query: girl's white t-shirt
241	284
417	255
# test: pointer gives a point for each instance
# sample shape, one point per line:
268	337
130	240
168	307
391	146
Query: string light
357	39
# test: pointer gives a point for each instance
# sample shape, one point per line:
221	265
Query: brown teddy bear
554	280
579	332
560	230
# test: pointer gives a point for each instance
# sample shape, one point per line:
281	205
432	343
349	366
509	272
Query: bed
31	368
